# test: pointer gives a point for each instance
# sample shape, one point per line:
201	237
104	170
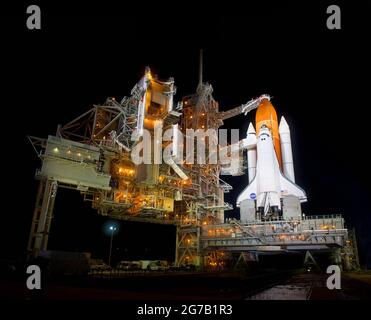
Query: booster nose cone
287	160
266	115
284	127
250	129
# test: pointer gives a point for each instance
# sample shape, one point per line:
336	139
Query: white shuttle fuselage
267	173
270	184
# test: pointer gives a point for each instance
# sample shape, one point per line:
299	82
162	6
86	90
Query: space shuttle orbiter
270	162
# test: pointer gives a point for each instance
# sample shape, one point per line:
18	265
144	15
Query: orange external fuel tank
266	114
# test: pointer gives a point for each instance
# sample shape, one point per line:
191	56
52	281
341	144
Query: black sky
319	80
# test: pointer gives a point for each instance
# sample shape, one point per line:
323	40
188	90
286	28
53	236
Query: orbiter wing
249	192
290	188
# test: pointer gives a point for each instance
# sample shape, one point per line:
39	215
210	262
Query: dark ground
193	286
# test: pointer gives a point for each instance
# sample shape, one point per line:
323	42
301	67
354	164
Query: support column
200	252
42	217
349	252
187	246
310	261
336	257
176	246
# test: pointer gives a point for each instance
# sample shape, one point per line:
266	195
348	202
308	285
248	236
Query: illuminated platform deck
310	233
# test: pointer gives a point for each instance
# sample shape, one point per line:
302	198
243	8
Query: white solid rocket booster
251	155
286	150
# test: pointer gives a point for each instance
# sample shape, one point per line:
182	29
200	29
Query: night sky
319	80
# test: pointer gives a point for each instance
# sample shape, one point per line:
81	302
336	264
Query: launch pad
93	155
